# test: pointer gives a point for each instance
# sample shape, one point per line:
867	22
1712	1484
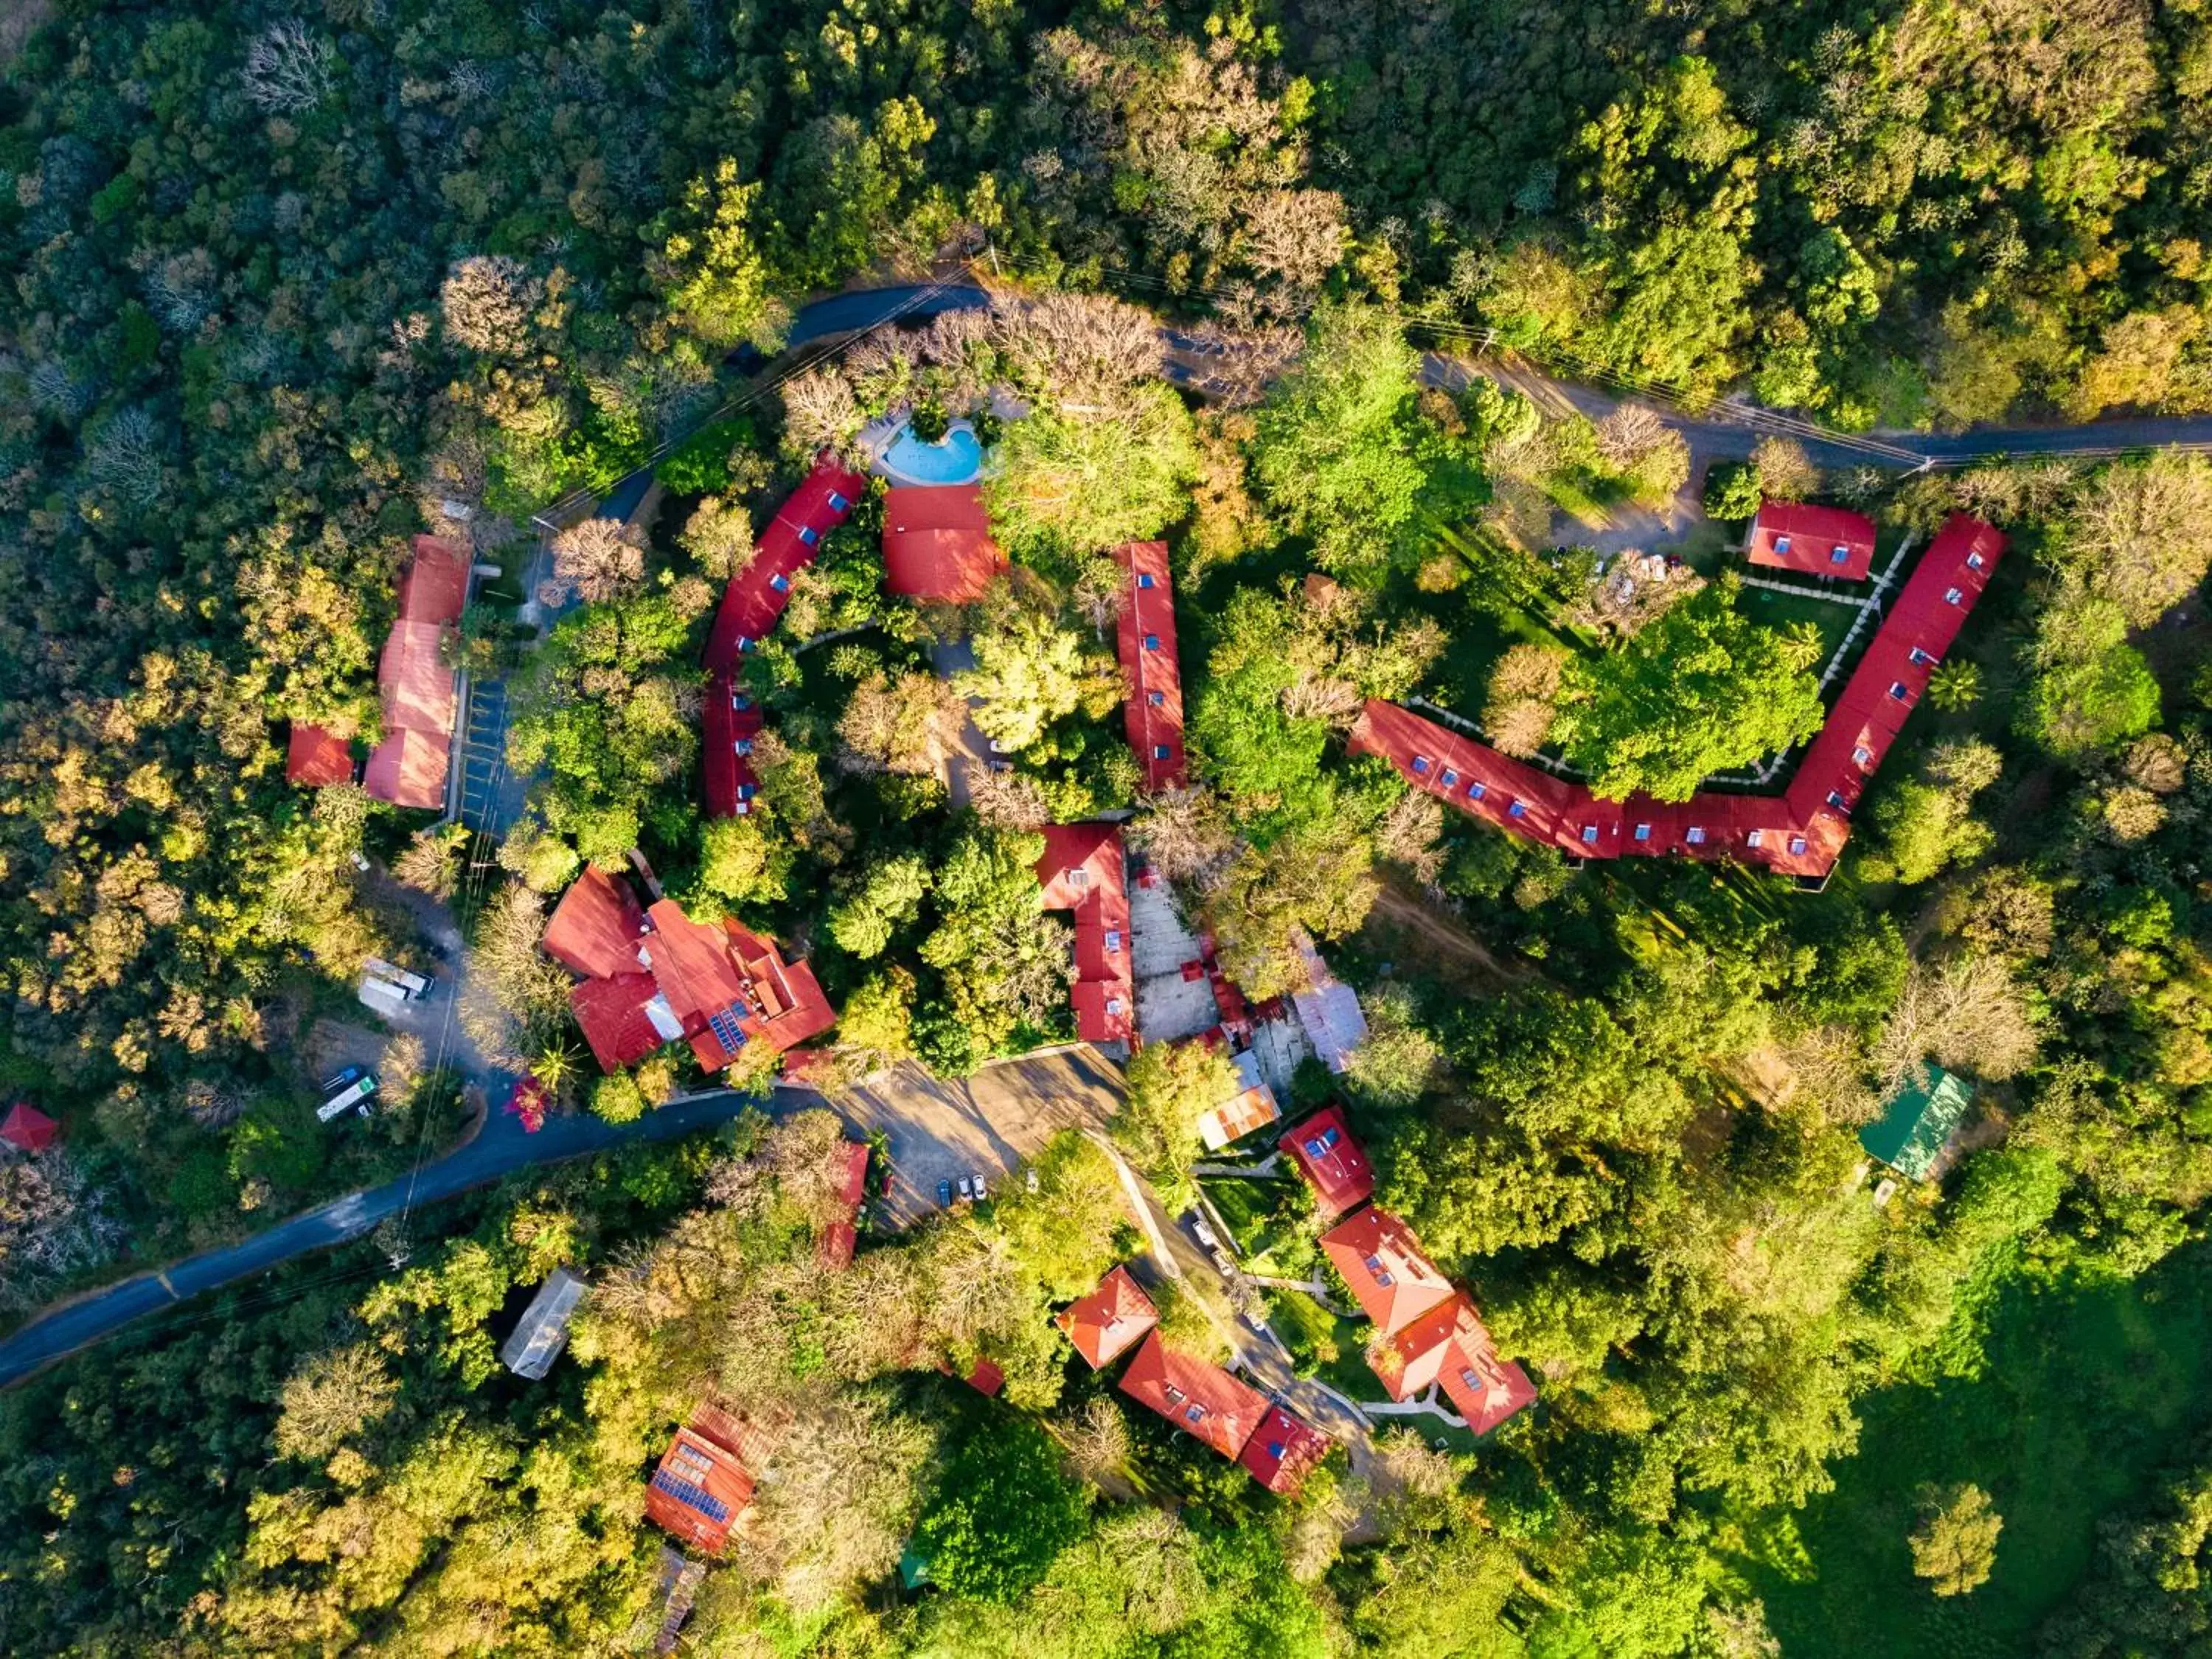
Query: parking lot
989	1124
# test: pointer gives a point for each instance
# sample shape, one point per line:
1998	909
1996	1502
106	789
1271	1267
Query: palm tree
1802	641
555	1068
1955	686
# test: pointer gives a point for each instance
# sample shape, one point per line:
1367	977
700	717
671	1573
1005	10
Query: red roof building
841	1237
316	756
938	545
1449	1347
1282	1450
719	986
1799	833
1152	708
624	1018
1331	1162
1199	1399
434	587
596	927
1082	871
28	1128
410	768
699	1492
753	602
1377	1255
728	723
1813	541
986	1377
1105	1323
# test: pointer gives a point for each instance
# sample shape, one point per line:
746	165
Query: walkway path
993	1121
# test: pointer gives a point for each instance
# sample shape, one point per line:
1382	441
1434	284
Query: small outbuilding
29	1130
1918	1122
542	1333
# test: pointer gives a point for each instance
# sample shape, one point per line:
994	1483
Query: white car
967	1187
981	1191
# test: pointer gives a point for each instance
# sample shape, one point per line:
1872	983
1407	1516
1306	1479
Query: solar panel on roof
691	1496
724	1023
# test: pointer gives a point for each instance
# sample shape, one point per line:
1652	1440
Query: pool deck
879	437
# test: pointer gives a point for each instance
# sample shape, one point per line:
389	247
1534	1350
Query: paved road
991	1122
1728	432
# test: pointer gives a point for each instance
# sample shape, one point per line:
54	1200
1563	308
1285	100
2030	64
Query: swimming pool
955	459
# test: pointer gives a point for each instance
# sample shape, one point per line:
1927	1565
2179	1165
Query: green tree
889	895
1701	689
1338	448
2091	690
714	280
1955	1546
1001	1513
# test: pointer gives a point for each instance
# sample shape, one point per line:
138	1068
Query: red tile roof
616	1014
728	723
937	544
409	769
1796	536
1103	1324
434	587
1282	1450
753	602
596	927
718	987
28	1128
1331	1161
855	1154
1083	871
1200	1399
699	1492
1486	1388
1449	1347
1379	1259
316	756
1153	708
986	1377
416	683
1801	832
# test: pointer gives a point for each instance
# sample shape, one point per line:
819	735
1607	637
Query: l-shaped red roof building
652	976
1799	832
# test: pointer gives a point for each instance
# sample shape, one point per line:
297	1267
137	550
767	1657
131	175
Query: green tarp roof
1918	1120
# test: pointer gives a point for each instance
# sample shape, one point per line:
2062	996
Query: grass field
2085	1390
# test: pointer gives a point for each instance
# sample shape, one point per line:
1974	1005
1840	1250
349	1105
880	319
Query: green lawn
2085	1390
1783	610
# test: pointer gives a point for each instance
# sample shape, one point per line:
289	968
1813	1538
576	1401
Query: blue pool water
958	458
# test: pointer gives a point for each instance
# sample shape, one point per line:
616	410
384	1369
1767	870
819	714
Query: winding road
991	1122
1726	430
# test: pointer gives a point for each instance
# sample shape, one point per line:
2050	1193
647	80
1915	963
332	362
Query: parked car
998	748
967	1187
945	1193
1205	1233
981	1191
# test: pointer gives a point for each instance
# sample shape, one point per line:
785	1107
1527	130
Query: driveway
991	1121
